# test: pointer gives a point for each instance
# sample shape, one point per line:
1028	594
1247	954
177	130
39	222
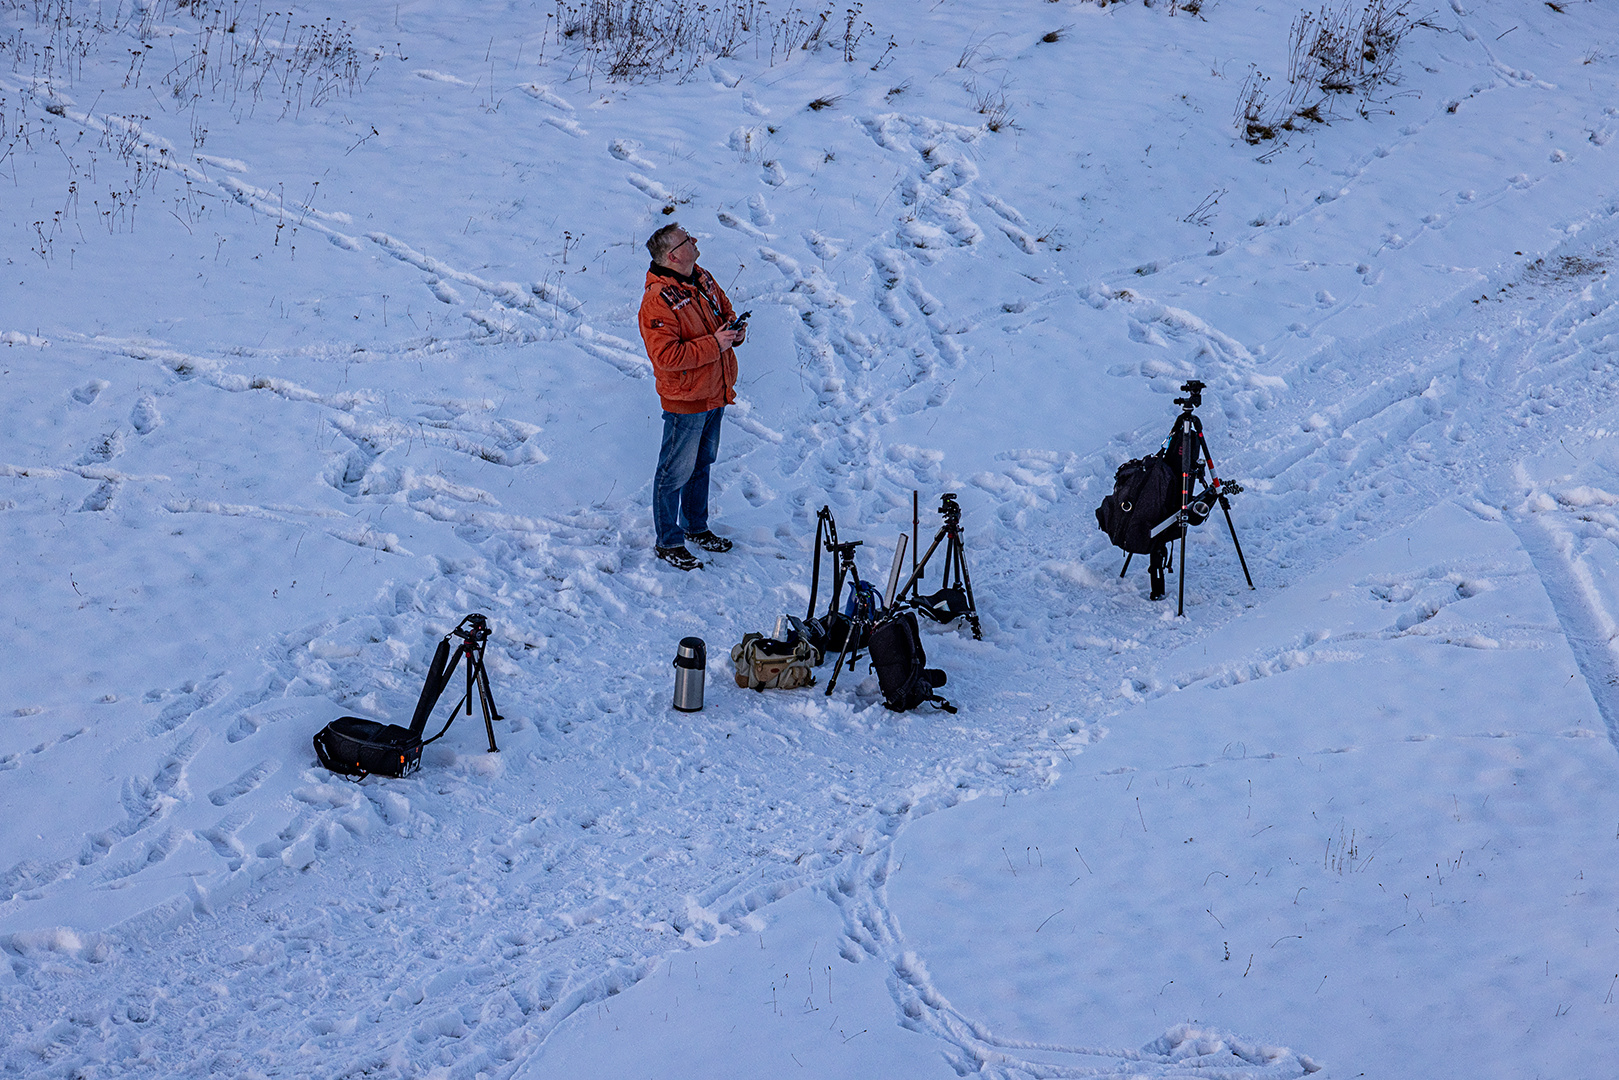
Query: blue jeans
691	442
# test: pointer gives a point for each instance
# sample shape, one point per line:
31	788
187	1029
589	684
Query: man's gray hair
662	242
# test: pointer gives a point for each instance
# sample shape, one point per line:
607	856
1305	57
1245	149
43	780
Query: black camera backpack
355	746
1146	492
901	665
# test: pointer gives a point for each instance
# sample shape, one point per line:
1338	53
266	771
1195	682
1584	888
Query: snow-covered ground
308	356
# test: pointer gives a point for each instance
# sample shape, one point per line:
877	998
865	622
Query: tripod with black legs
1187	447
865	608
954	600
473	633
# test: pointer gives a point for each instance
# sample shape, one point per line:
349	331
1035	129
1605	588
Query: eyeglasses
692	240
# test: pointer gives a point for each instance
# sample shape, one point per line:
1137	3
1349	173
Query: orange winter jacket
678	319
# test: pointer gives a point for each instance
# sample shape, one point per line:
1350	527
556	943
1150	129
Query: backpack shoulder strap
437	680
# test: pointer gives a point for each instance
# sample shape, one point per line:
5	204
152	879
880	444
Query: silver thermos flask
691	664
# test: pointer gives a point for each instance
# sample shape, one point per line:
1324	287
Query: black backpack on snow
1146	492
900	662
355	746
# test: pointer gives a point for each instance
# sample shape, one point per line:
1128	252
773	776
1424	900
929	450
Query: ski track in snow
565	902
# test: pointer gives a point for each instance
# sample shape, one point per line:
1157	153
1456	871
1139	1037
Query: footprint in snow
570	126
826	248
224	840
87	394
731	221
745	140
439	76
104	450
543	93
629	151
650	188
228	164
99	499
145	417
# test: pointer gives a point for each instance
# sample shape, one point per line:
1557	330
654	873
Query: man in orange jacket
689	328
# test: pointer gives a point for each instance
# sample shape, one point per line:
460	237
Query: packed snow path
934	336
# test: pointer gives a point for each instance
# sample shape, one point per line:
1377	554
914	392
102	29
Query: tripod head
474	630
1194	395
845	550
950	509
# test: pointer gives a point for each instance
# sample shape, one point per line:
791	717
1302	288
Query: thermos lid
693	648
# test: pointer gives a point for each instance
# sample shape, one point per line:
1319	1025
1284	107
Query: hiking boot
678	557
709	542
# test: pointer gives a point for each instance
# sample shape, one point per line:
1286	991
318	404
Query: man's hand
728	338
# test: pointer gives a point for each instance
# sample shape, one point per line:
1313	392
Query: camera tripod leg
486	700
478	683
837	668
958	551
921	567
1128	555
1180	603
1226	507
1191	433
